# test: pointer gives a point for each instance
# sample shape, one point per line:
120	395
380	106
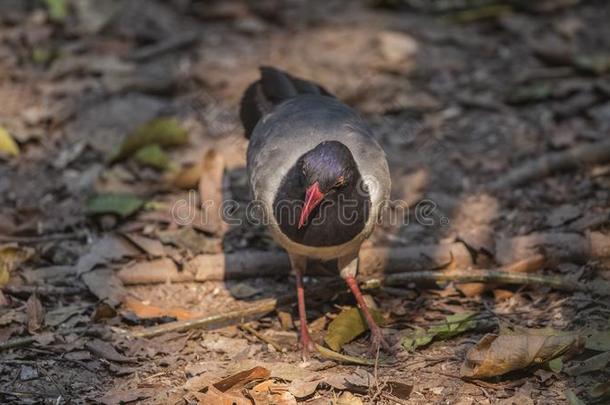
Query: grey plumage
295	126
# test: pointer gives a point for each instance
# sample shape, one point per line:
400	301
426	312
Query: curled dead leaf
35	313
496	355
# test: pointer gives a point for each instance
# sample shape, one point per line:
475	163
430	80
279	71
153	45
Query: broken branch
591	153
209	322
28	340
485	276
248	264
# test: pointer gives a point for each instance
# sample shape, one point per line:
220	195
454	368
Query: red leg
377	338
306	343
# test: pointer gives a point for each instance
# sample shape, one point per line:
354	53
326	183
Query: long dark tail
271	89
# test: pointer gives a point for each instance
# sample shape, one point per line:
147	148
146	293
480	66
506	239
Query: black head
321	189
330	164
326	169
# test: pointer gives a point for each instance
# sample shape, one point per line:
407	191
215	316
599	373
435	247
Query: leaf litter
148	122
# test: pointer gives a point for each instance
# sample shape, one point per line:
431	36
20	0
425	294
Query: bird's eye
340	182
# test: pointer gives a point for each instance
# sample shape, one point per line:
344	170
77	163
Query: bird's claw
307	346
378	342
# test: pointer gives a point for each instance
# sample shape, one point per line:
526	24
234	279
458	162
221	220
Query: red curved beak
313	197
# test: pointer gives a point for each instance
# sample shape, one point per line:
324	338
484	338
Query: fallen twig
590	153
165	46
209	322
43	290
528	265
28	340
234	317
42	238
247	264
485	276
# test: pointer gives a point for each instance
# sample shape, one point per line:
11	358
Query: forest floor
459	97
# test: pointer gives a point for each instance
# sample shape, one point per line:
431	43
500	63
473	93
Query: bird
320	177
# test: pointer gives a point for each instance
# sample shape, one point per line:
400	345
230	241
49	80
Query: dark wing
274	87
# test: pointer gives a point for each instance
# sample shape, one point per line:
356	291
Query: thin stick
590	153
28	340
41	238
233	317
209	322
44	290
485	276
262	337
342	358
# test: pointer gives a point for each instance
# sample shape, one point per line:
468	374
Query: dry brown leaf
35	313
152	247
108	249
105	285
214	396
151	311
124	397
496	355
302	389
242	378
106	350
269	392
347	398
11	257
282	370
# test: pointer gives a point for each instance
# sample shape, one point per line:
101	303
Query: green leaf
556	365
119	204
152	155
8	144
598	340
58	9
530	93
595	64
347	326
41	56
595	363
601	390
160	131
453	325
573	399
420	337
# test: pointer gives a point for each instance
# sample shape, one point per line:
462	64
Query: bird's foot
378	342
307	345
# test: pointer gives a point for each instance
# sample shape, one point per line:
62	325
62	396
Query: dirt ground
459	93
